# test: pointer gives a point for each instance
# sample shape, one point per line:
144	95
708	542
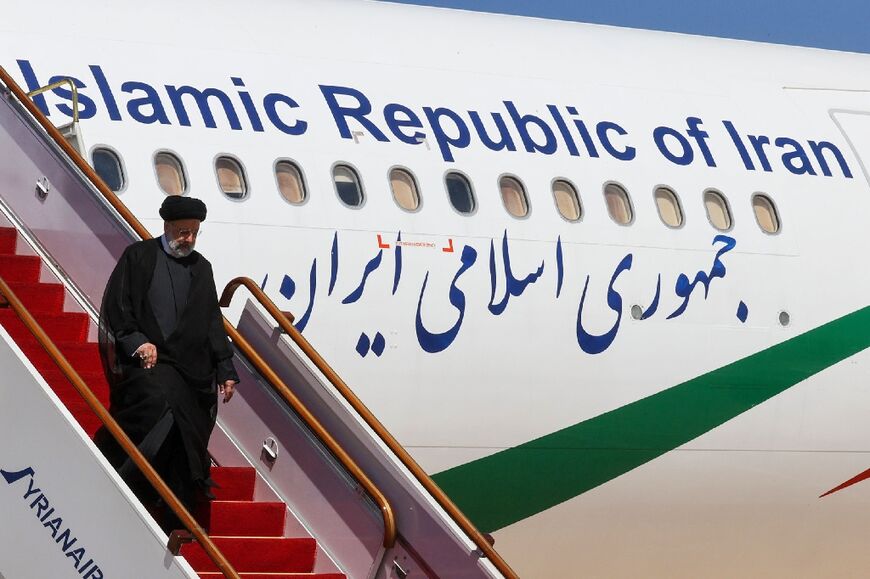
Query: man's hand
147	354
227	389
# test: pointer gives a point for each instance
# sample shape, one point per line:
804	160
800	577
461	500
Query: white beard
176	251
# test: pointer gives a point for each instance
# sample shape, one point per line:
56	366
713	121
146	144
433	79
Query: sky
831	24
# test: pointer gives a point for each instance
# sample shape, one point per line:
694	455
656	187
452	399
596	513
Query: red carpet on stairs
249	533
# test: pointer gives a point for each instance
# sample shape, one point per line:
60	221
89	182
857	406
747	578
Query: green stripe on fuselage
510	485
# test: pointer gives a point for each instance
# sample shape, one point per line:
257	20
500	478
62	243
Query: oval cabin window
618	204
717	210
231	178
669	207
108	166
567	201
460	193
404	188
765	213
290	182
347	186
170	174
513	195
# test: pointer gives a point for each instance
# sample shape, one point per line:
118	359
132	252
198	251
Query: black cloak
168	410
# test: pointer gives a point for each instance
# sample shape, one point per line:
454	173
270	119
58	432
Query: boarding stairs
325	509
249	532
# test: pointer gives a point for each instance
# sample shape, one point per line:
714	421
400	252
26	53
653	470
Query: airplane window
290	182
765	213
108	166
567	201
404	189
618	204
347	185
460	193
717	210
170	173
513	196
231	178
669	207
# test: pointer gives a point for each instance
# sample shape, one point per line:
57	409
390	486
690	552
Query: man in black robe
165	352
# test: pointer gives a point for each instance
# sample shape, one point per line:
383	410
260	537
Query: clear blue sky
833	24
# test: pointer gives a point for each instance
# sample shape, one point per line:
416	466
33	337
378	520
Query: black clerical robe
168	410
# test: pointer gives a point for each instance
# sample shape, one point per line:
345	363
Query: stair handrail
349	464
12	300
73	89
74	155
285	322
387	513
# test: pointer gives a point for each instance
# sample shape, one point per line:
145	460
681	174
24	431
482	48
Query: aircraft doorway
855	126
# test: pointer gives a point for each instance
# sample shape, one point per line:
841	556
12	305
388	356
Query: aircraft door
855	126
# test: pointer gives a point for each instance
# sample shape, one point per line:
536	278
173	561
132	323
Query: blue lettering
584	133
151	99
625	155
358	113
269	103
522	123
684	157
694	131
245	97
461	140
505	142
738	144
411	120
105	92
201	97
590	343
33	84
758	143
819	148
437	342
797	154
563	129
54	525
87	108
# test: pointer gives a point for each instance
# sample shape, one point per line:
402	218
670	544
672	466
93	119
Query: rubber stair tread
256	554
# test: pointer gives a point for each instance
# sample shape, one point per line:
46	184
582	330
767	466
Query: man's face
181	235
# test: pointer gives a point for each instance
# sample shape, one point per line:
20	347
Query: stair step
73	401
20	268
39	297
66	326
233	483
219	575
84	357
247	519
256	554
8	240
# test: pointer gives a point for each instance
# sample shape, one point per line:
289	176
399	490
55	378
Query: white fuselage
379	86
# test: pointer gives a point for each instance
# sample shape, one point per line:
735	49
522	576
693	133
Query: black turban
177	207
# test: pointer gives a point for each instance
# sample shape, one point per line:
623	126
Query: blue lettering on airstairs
48	515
